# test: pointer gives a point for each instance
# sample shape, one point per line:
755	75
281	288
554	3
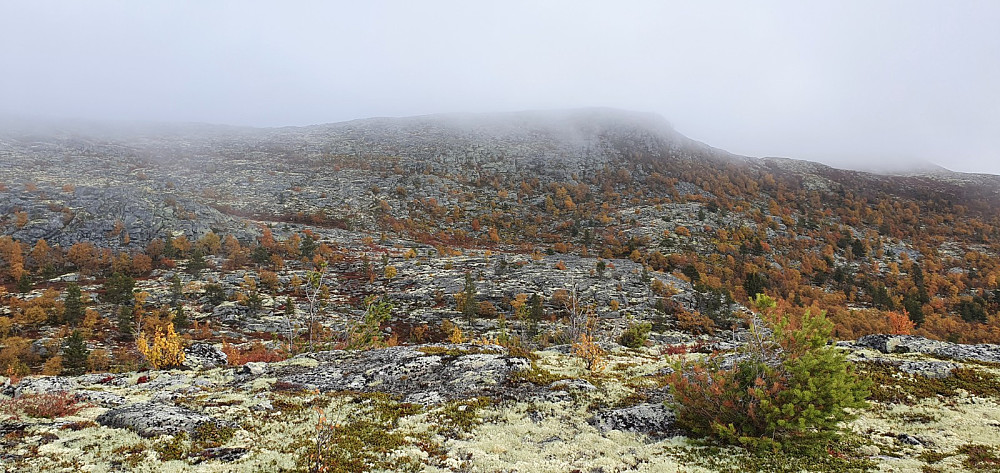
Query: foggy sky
842	82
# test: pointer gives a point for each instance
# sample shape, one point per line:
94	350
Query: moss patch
536	375
893	386
980	457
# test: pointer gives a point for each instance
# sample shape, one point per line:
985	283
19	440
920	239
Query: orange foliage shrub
899	324
694	322
256	352
47	406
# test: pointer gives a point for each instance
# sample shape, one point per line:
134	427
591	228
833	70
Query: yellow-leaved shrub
163	349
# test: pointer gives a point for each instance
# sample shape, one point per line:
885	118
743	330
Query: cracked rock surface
418	374
153	419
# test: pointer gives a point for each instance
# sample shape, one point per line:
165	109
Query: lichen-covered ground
506	414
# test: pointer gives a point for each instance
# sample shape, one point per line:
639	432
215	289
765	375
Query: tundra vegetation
529	293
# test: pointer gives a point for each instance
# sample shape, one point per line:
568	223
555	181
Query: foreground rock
644	418
153	419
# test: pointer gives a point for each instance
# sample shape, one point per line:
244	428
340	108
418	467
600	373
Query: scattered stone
224	454
263	406
100	398
869	450
572	385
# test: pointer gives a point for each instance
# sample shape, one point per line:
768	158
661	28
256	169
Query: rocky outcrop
913	344
153	419
426	374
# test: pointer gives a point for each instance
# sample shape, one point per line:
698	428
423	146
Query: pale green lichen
302	361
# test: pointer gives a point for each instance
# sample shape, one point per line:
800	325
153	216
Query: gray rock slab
912	344
455	372
152	419
643	418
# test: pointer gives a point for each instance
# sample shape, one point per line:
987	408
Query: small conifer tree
197	261
469	306
789	391
73	306
118	289
75	355
125	322
24	283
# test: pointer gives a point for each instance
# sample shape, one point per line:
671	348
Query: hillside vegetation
595	248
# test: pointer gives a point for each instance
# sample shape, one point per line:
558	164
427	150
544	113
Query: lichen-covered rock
643	418
254	368
100	398
928	369
43	385
204	356
152	419
420	374
913	344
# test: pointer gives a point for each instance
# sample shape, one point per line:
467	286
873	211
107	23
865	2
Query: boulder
643	418
203	356
928	369
43	385
152	419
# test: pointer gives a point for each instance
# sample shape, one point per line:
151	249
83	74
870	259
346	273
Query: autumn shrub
44	405
256	352
787	391
163	350
694	322
587	349
452	332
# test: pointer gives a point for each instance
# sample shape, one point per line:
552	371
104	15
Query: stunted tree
469	306
125	321
250	294
317	295
75	355
180	317
308	245
43	258
11	259
197	261
535	314
118	289
73	308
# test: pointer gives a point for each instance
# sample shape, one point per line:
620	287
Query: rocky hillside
459	282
